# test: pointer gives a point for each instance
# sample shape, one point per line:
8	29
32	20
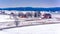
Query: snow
5	18
55	15
6	21
39	29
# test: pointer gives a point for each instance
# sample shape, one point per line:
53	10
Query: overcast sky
29	3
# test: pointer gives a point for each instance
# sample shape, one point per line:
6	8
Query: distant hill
32	9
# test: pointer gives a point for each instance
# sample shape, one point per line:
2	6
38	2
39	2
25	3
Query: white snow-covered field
39	29
6	21
55	15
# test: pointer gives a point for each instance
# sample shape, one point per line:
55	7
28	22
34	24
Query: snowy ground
39	29
49	28
6	21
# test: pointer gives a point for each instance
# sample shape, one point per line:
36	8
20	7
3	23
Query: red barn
47	16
